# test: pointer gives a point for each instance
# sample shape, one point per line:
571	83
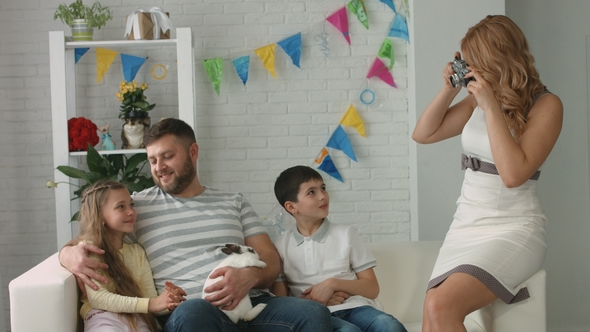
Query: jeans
366	319
282	313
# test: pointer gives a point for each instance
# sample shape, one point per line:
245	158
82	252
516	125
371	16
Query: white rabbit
239	257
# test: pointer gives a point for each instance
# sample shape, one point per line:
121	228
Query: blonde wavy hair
498	49
94	230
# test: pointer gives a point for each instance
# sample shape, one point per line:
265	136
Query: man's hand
76	260
236	284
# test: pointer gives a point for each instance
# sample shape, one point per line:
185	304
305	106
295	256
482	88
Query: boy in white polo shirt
324	262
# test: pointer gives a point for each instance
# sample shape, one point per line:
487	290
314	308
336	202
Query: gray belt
485	167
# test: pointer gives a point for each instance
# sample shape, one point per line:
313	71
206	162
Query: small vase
134	127
81	30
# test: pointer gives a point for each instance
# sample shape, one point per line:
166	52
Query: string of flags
292	47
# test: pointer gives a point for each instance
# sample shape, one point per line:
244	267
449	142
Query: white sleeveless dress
498	233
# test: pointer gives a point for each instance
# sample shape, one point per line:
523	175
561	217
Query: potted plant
82	19
117	167
134	113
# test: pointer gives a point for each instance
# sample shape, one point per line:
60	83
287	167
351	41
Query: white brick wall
247	135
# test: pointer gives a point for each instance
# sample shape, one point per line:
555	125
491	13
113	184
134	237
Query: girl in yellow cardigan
128	299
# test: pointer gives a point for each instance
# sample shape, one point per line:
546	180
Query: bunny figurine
107	140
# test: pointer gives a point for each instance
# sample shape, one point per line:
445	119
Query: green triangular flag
386	51
214	68
358	8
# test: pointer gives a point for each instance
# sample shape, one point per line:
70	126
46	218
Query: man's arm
75	259
237	283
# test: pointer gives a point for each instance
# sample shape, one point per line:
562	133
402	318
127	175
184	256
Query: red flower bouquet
81	132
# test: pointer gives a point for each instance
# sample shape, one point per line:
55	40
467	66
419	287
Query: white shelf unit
63	106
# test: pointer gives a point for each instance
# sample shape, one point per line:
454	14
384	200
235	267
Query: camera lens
454	80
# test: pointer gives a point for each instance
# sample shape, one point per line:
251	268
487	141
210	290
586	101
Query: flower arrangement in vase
81	133
134	113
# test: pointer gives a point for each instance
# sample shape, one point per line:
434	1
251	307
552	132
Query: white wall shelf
63	106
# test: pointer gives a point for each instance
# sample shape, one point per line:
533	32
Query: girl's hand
169	299
481	90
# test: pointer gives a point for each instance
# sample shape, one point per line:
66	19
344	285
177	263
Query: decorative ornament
107	140
370	100
164	72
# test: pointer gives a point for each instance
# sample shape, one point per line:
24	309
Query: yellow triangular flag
323	154
352	119
104	59
267	55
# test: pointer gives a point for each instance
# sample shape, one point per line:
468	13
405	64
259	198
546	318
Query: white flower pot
80	30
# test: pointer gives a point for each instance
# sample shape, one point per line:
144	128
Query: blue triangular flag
340	141
241	65
399	28
328	166
292	46
390	4
79	52
131	65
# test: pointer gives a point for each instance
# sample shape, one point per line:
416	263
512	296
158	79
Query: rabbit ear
234	248
226	250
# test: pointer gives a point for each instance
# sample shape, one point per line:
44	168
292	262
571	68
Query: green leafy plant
133	100
96	15
116	167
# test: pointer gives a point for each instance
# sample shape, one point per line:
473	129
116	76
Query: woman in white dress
509	123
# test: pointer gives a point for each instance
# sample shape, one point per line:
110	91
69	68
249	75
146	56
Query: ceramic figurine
133	131
107	140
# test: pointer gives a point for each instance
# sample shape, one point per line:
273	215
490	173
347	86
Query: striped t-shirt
182	236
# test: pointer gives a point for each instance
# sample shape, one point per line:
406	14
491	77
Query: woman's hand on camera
481	90
448	72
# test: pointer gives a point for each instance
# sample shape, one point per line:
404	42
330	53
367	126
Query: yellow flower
51	184
124	90
143	86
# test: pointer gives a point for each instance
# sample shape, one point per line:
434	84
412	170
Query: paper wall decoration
380	70
267	55
389	3
358	8
159	67
104	59
352	119
214	68
339	140
399	28
242	65
292	46
130	65
386	51
79	52
340	21
326	164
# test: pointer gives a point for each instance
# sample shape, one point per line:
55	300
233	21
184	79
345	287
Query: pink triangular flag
380	70
340	20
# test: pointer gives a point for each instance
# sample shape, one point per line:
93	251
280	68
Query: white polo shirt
334	251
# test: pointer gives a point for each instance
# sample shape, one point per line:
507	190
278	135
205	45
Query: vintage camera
460	69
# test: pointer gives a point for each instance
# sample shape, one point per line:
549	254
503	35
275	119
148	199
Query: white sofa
45	298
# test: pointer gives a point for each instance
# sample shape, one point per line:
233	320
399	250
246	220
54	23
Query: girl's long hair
94	230
498	49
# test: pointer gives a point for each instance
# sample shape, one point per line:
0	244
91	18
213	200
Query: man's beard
182	180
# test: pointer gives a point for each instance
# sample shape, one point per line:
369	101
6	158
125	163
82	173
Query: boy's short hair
288	183
169	126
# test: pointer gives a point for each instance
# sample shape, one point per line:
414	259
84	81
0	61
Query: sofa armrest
45	298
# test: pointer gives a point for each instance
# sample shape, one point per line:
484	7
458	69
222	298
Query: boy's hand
321	292
338	298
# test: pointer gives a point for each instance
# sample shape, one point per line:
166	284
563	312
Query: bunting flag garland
79	52
267	55
352	119
104	59
339	140
386	51
340	21
389	3
292	46
131	65
399	28
326	164
358	8
242	65
214	68
380	70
